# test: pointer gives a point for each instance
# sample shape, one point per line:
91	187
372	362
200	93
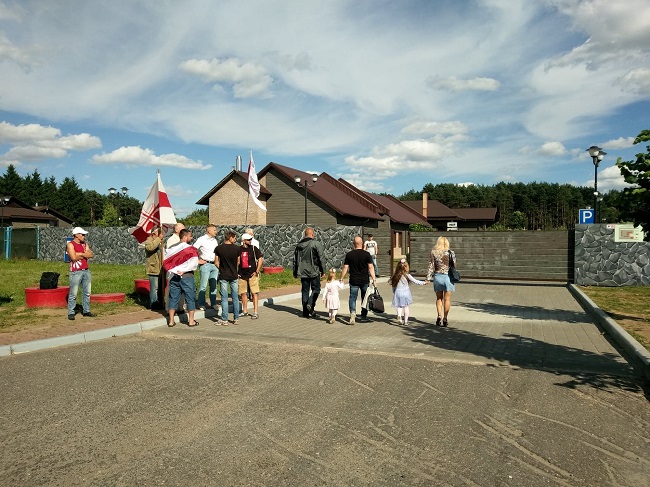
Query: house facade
326	202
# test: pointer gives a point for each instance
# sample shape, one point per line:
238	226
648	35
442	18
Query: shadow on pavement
526	312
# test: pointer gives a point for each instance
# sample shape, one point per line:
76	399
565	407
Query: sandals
444	323
194	323
172	324
438	321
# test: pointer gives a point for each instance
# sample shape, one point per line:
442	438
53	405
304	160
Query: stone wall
599	261
114	245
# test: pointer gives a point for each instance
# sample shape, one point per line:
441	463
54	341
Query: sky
389	95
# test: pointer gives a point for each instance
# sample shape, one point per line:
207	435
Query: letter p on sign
586	216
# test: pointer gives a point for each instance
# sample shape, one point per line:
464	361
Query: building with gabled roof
327	202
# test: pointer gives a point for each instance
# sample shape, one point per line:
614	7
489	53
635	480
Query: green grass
16	275
629	306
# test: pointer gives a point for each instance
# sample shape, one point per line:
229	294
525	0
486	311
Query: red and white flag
181	258
156	211
253	183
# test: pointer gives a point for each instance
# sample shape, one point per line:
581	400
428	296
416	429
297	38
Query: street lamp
306	184
597	155
4	201
114	192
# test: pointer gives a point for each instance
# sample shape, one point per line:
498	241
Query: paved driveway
288	401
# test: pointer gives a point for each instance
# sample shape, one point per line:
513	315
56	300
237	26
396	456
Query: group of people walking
237	268
308	265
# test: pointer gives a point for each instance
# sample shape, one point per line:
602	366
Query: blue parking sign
587	216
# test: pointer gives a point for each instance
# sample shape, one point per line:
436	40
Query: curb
640	357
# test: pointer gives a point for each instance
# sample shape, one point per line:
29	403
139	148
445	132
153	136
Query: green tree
198	217
109	218
30	191
637	197
70	198
11	183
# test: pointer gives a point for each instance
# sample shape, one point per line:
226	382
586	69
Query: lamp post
306	184
597	155
114	192
4	201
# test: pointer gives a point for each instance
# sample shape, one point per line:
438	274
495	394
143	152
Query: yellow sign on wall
628	233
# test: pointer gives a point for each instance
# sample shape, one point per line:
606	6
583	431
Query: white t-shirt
370	246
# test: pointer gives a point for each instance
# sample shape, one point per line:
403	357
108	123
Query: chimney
238	163
425	207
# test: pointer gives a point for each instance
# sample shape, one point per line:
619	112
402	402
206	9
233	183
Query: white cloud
433	128
552	149
178	191
637	81
609	178
453	84
247	79
136	156
34	142
620	143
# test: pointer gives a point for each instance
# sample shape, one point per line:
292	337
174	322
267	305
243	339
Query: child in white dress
331	295
401	291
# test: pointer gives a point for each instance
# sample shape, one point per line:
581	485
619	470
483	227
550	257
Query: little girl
401	291
331	295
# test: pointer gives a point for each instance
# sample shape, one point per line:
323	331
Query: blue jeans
79	277
354	292
153	288
209	275
182	284
234	294
374	263
314	284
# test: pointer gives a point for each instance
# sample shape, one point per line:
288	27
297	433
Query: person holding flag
181	260
156	212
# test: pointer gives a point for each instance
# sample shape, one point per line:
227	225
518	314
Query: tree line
526	206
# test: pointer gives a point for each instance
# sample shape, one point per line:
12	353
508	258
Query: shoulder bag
454	276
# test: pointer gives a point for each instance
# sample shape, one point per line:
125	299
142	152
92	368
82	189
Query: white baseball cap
77	230
247	236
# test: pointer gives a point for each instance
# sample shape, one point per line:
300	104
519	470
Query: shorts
442	283
253	282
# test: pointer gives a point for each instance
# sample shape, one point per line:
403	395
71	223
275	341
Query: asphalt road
157	409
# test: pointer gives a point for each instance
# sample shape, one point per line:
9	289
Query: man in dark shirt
308	266
227	260
359	263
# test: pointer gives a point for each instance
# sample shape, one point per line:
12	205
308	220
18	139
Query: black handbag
454	276
376	302
49	280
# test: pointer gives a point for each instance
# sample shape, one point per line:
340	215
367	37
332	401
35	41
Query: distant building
18	214
439	215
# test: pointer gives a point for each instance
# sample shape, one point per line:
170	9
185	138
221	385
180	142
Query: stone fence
600	261
115	245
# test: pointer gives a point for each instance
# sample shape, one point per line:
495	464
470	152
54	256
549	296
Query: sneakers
399	320
352	318
221	322
235	322
310	310
89	315
331	321
71	317
254	316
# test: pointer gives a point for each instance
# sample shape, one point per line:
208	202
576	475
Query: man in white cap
250	265
79	252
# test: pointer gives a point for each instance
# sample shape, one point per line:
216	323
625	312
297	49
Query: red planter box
272	269
142	286
108	298
47	298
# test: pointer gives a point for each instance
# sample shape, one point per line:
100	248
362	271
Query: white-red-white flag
156	211
253	183
180	258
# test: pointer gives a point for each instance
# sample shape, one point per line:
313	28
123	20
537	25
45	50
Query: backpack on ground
49	280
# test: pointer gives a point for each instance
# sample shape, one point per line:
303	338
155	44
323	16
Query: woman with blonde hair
440	261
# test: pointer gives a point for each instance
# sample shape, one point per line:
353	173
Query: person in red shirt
79	252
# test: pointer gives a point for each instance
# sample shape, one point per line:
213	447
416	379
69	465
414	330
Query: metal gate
525	255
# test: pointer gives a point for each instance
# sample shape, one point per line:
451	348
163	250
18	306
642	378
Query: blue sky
389	95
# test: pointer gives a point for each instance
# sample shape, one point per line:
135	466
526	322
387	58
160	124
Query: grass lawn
629	306
16	275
